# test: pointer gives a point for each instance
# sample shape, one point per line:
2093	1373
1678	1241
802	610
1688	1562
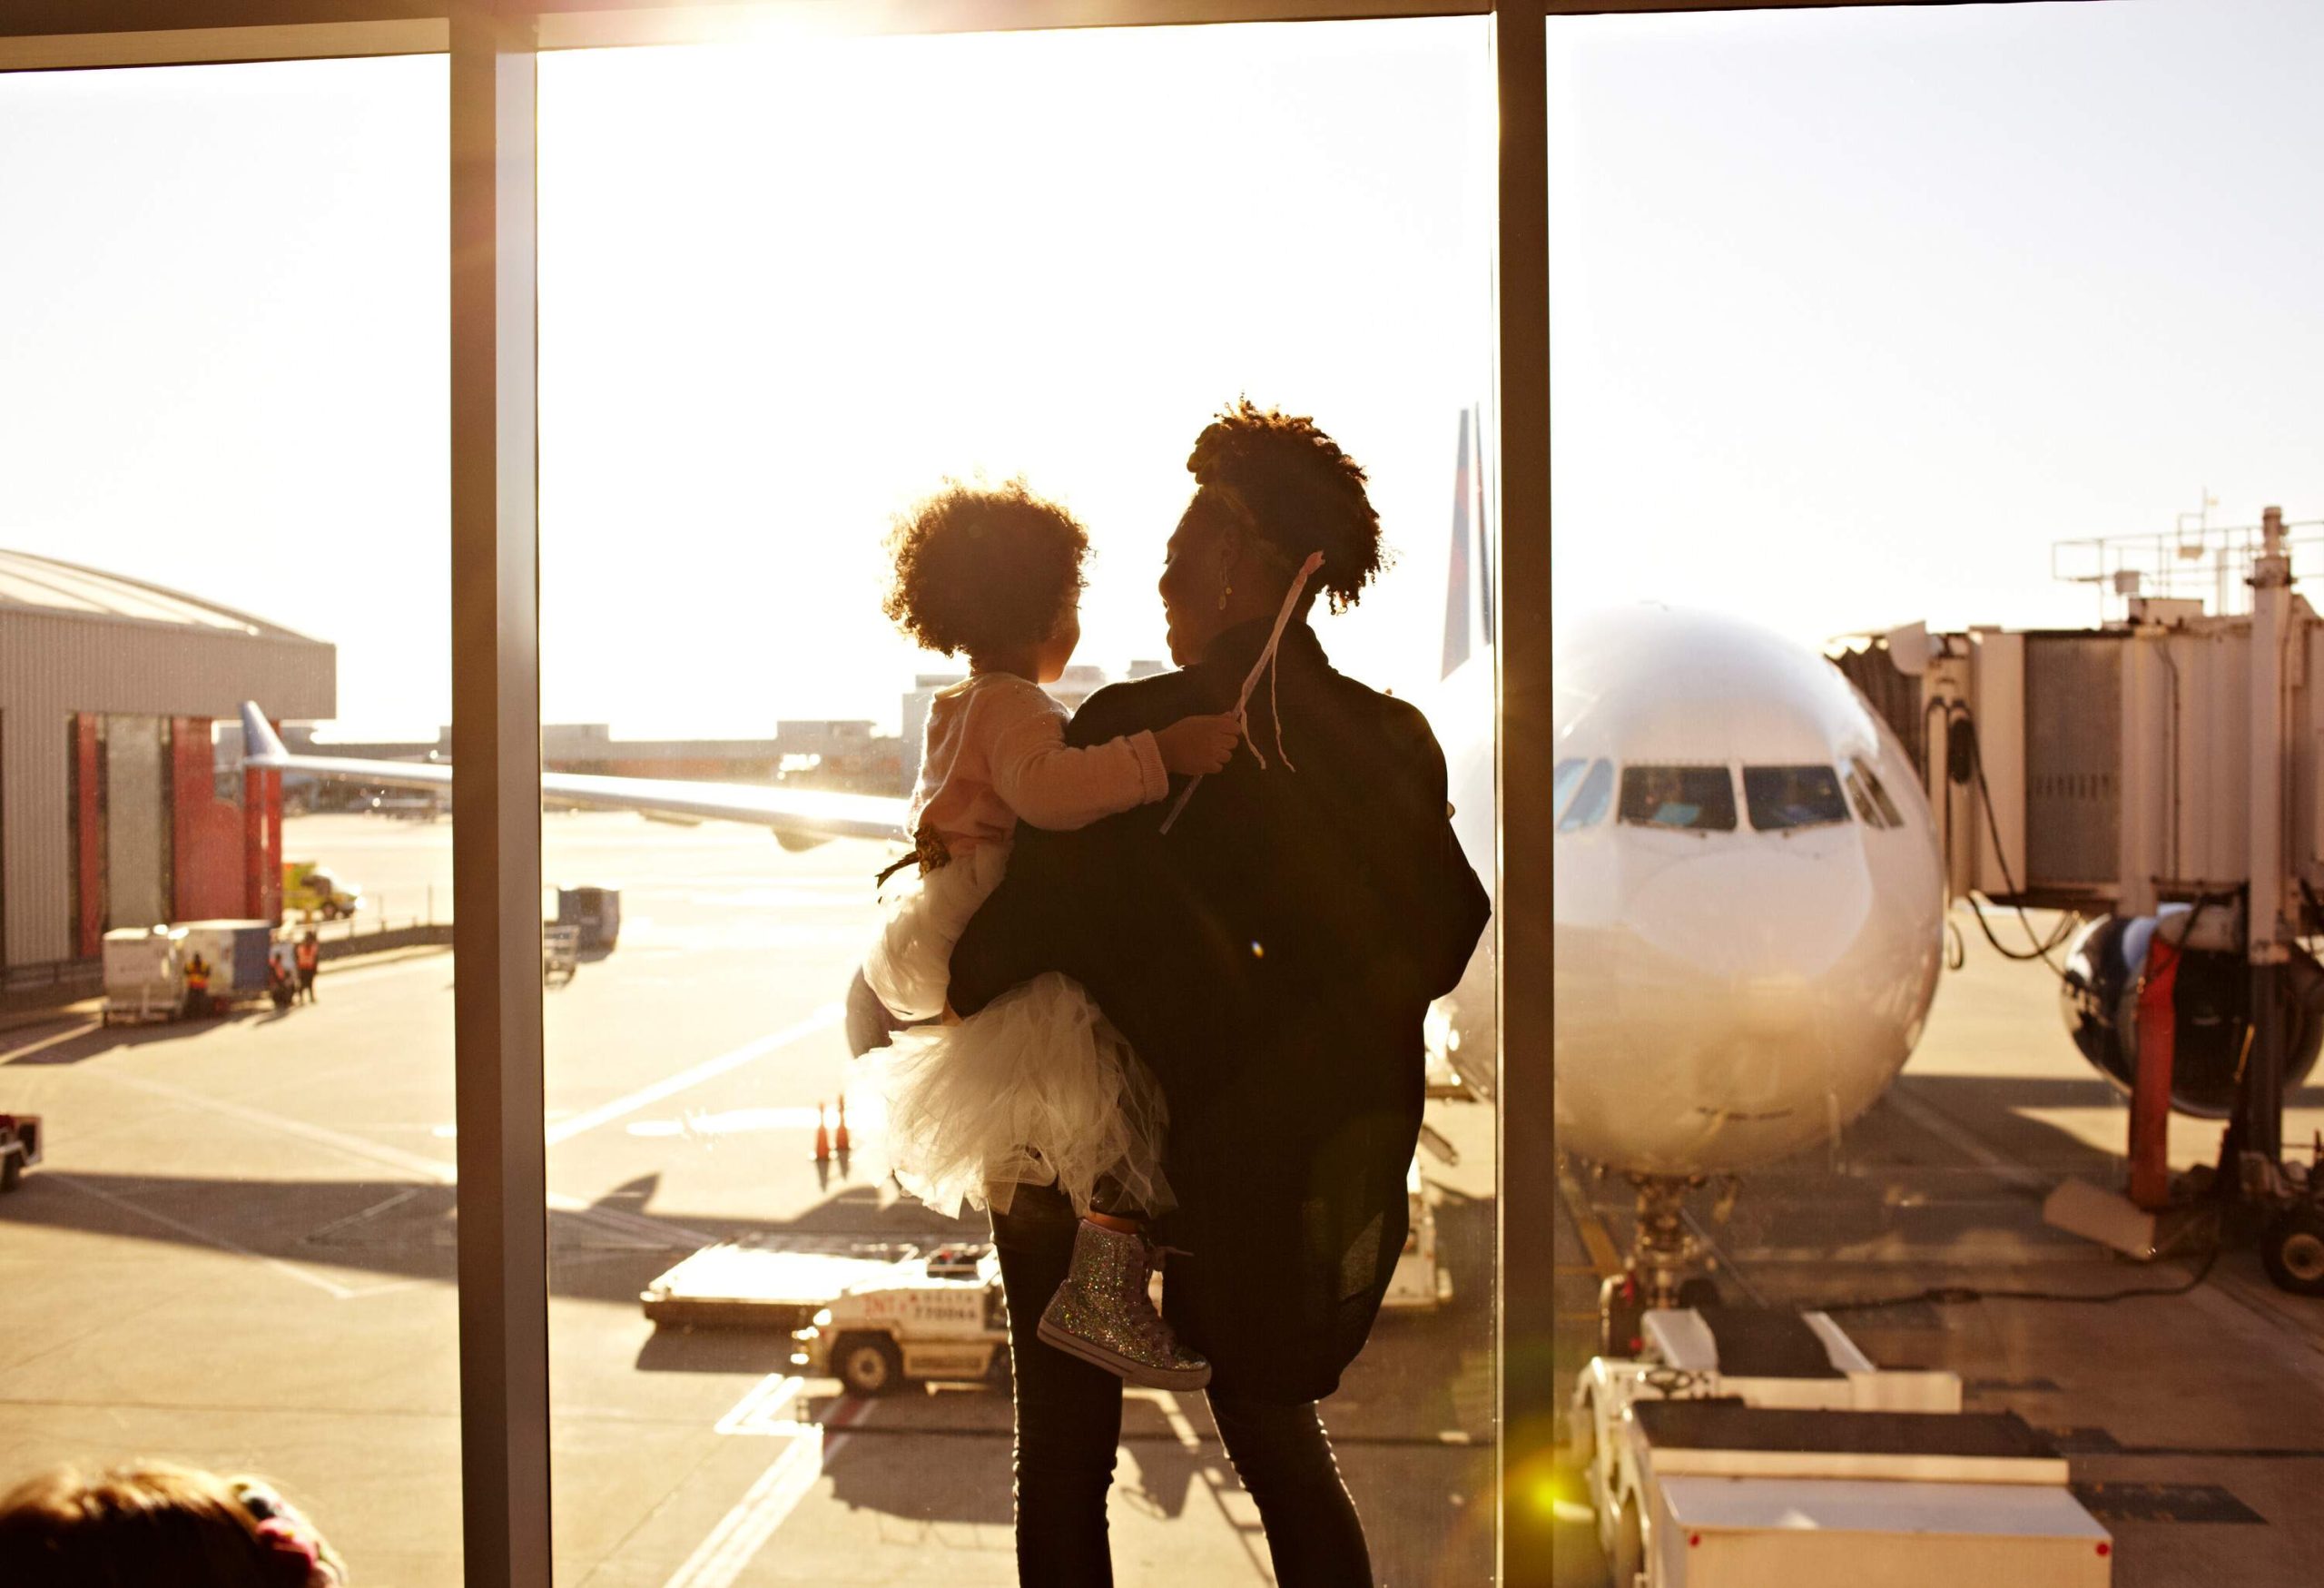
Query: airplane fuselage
1748	906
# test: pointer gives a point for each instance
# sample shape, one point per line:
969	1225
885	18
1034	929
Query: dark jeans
1070	1422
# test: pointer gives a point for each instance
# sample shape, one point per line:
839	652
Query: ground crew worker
309	951
197	987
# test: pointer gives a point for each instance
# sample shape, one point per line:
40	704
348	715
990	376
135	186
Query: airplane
799	818
1749	914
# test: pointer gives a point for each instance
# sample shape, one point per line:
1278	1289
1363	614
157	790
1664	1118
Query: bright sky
1854	315
784	290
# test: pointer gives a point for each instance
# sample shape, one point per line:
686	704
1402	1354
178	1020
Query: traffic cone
839	1141
823	1137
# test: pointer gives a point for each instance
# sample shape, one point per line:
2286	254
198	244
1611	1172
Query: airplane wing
799	817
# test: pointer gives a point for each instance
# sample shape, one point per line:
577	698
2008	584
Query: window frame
494	45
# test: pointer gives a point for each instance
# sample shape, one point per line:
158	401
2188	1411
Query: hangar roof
47	584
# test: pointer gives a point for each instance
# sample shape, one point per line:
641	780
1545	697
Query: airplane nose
1766	922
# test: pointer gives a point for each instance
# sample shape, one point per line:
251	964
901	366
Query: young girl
158	1526
1037	1089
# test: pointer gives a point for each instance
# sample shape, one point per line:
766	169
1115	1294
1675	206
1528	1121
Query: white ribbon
1266	663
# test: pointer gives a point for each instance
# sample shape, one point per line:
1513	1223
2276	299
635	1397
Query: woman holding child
1190	988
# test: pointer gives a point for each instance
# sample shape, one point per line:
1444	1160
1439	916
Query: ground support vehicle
939	1318
144	975
20	1138
313	891
1420	1282
1749	1447
873	1317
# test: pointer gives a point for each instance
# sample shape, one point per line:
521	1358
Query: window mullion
496	805
1525	772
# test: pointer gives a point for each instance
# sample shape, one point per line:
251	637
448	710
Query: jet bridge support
2162	777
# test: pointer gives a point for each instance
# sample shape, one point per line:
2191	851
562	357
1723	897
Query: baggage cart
560	954
144	975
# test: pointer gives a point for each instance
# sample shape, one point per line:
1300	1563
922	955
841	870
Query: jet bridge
2161	776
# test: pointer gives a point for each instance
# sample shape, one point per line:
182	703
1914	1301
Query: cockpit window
1569	775
1588	806
1861	798
1782	798
1698	798
1890	815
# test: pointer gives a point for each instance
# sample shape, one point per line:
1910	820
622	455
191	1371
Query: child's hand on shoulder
1194	746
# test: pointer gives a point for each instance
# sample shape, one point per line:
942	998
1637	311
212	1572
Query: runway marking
742	1531
407	959
749	1416
66	1035
646	1231
708	1070
329	1287
1592	1228
355	1147
1958	1137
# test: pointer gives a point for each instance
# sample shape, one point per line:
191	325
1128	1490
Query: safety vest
197	976
306	956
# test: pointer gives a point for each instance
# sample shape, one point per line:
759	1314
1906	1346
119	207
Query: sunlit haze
1854	315
784	290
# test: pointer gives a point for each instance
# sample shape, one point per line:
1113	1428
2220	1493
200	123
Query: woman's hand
1196	745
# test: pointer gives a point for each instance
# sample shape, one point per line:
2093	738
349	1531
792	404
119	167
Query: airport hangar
109	809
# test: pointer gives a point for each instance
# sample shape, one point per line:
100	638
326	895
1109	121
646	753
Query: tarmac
2193	1422
240	1250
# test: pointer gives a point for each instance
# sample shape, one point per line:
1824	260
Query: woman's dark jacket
1271	959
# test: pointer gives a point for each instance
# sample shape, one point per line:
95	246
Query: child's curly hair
1293	486
158	1525
981	570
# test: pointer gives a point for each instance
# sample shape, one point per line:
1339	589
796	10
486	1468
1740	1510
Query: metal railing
2210	563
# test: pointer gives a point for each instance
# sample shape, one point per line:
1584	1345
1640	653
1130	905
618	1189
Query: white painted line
407	961
755	1413
355	1147
1180	1425
330	1288
27	1051
1945	1129
644	1231
742	1531
709	1069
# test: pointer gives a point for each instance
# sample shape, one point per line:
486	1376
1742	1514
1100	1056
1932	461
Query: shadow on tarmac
407	1228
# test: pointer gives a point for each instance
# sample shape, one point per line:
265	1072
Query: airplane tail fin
1468	581
261	746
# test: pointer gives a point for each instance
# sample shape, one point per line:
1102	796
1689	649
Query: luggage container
1750	1447
596	910
145	971
237	952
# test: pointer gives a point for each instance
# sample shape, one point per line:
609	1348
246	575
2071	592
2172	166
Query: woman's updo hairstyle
1296	489
983	570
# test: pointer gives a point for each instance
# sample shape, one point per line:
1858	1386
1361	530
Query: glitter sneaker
1103	1313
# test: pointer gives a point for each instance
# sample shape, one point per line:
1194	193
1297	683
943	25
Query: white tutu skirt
1038	1088
910	962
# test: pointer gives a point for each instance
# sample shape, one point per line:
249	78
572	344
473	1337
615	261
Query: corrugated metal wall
53	664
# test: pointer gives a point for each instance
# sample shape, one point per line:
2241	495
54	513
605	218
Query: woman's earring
1224	592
